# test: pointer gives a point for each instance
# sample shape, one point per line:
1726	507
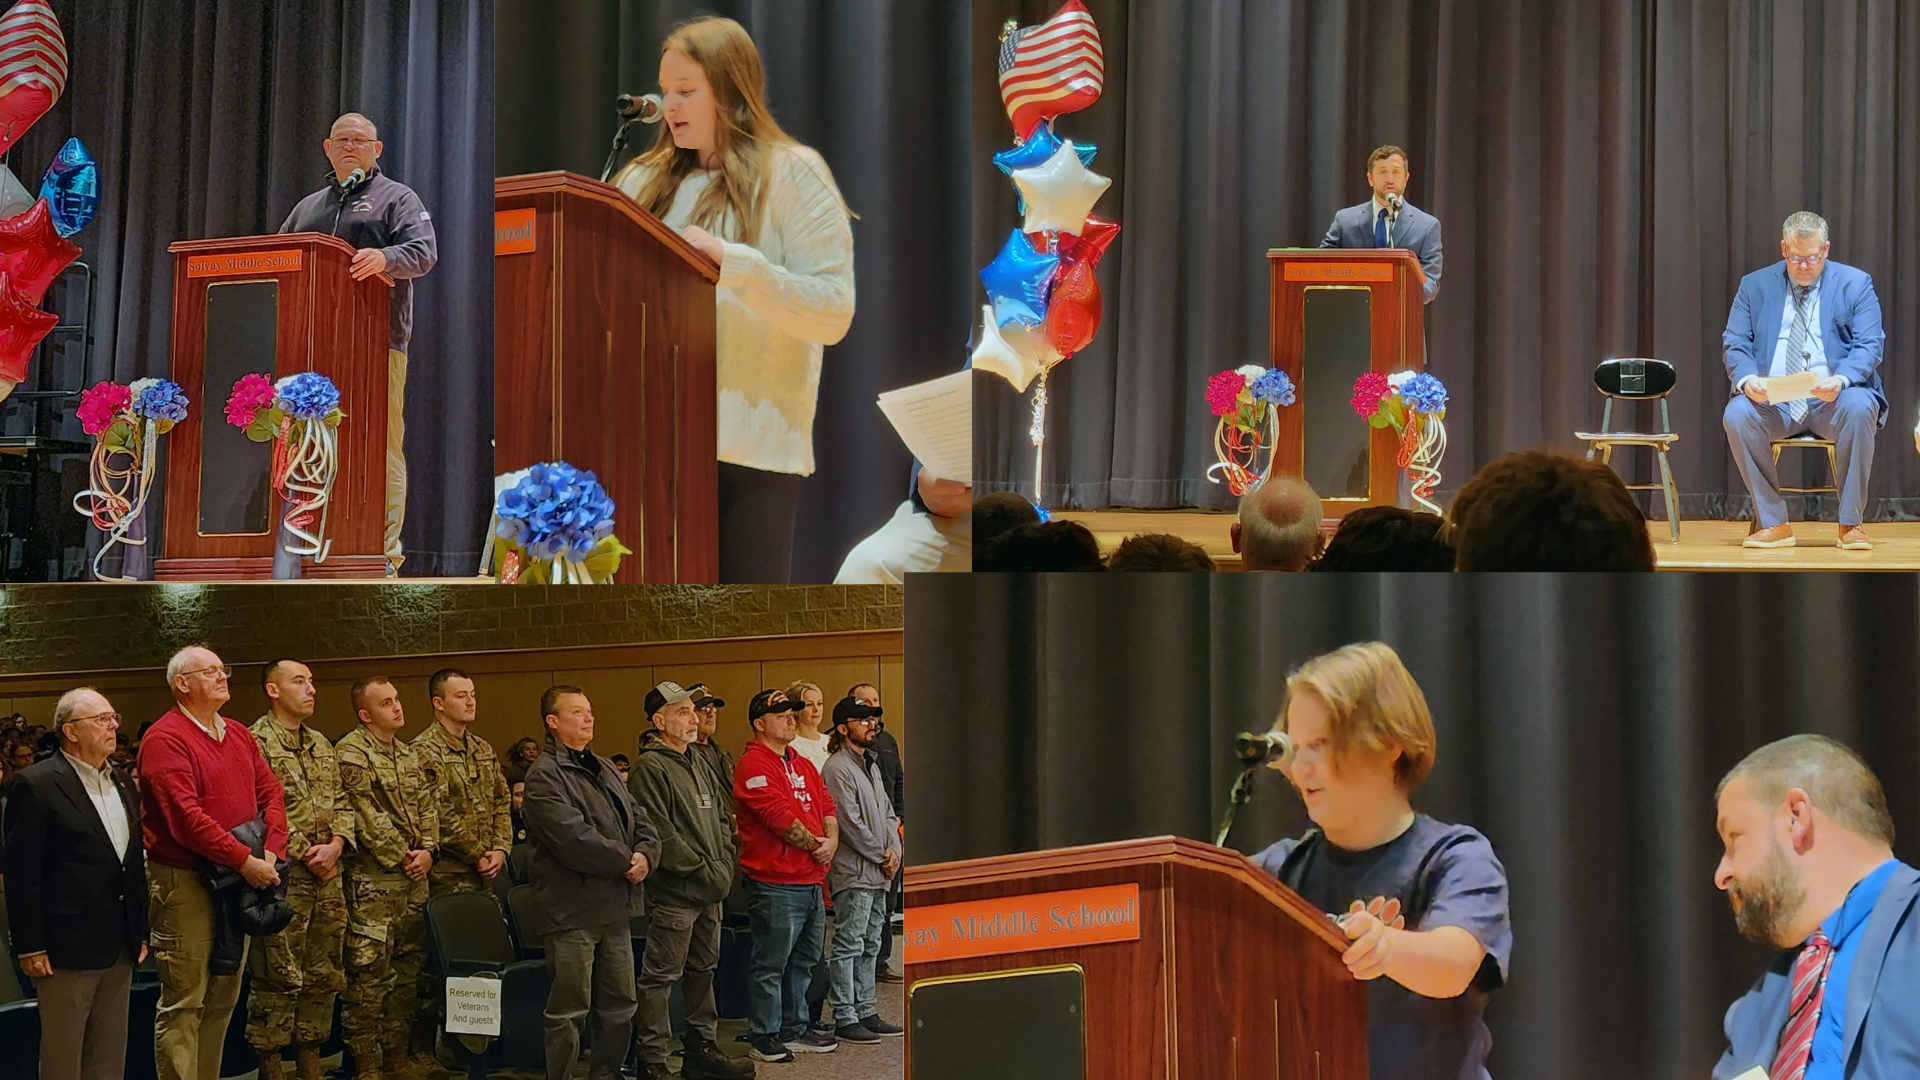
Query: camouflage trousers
296	972
448	876
385	949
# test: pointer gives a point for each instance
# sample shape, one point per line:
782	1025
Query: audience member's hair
868	685
796	691
1279	525
524	744
358	694
1159	551
1049	546
1541	511
68	704
437	682
550	701
997	513
1837	782
177	663
1387	538
267	673
619	759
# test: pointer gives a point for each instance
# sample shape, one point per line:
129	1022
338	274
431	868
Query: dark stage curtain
1583	724
206	119
876	87
1604	173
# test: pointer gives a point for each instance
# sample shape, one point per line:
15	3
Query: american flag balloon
33	67
1050	69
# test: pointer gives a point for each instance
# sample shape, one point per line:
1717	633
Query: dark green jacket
684	800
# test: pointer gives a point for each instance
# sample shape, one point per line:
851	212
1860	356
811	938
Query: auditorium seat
466	935
522	916
517	862
20	1035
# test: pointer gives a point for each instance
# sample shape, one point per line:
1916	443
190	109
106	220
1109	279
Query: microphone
1393	203
646	108
353	178
1273	749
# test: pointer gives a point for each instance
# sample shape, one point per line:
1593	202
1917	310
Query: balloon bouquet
1043	302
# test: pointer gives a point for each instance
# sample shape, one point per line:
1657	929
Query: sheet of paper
935	420
1755	1073
1790	388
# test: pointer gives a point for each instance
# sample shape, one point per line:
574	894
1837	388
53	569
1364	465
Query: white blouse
778	305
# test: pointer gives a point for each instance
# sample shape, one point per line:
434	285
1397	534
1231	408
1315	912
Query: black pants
757	512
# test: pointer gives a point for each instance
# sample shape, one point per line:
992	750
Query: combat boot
367	1067
704	1061
306	1061
398	1066
269	1061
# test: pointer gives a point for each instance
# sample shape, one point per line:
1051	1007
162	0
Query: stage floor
1704	545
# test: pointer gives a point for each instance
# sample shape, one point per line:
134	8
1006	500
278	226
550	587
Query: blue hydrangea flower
1424	394
555	511
308	395
1273	387
159	399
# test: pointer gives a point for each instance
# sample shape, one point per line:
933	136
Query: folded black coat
241	911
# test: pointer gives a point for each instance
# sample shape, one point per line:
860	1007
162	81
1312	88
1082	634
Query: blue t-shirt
1443	875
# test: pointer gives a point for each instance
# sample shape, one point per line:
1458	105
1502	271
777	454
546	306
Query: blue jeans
859	918
789	925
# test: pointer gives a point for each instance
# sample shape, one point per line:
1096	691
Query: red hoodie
770	793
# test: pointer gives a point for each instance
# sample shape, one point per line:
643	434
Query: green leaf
1379	419
332	419
272	418
605	560
258	431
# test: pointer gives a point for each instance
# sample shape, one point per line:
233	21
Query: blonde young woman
767	210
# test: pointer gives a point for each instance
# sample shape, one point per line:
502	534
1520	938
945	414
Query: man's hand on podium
367	262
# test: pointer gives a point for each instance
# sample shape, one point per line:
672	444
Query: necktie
1797	348
1380	229
1809	988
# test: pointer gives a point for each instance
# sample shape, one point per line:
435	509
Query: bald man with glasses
202	776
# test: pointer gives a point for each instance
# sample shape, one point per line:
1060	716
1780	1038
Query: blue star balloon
71	188
1017	280
1039	146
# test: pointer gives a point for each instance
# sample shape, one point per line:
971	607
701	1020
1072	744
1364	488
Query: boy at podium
1423	902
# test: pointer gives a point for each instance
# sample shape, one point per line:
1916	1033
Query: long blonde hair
745	133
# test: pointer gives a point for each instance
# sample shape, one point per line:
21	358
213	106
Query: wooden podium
1337	313
604	358
274	305
1215	971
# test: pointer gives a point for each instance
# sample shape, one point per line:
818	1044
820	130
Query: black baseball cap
703	697
852	708
667	693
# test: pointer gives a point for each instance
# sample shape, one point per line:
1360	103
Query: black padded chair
1637	379
523	915
518	860
20	1036
467	935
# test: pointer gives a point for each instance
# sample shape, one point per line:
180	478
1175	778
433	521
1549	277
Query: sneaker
768	1048
855	1033
881	1027
812	1042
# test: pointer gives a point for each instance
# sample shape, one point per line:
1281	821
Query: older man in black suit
77	891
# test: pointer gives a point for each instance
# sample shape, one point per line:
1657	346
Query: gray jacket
868	827
584	828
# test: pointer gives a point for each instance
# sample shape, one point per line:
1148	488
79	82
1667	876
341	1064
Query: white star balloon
1060	192
1015	353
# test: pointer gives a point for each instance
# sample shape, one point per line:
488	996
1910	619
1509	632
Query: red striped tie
1809	987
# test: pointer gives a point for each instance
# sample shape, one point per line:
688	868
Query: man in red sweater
788	834
201	777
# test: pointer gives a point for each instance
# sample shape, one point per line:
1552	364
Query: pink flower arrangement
1223	392
252	394
1368	391
101	405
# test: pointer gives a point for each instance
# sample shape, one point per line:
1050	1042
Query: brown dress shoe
1773	536
1854	538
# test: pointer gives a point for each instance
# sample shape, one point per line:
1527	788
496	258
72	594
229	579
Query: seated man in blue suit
1809	869
1374	224
1832	329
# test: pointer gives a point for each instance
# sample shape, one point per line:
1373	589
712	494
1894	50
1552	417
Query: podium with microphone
1156	958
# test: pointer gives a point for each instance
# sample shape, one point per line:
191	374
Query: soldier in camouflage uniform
396	836
297	972
476	811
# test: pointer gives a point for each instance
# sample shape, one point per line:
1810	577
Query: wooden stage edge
1704	545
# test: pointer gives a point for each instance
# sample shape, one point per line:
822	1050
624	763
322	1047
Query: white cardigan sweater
777	306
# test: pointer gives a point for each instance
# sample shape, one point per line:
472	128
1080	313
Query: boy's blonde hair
1374	704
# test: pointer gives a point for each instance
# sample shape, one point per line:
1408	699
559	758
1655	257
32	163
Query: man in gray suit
1377	223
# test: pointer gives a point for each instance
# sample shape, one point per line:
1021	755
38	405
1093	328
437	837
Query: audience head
1159	552
855	723
1045	547
198	680
773	718
864	693
670	709
997	513
1542	511
1387	538
1278	527
568	715
809	704
288	685
525	749
706	710
86	725
1799	820
451	693
377	702
519	793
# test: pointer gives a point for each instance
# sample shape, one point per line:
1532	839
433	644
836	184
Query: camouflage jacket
317	809
394	807
475	808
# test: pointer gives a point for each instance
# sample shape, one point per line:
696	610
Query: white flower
1399	378
139	386
1251	371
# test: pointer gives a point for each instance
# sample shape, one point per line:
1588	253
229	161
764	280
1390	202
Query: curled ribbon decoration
116	496
306	458
1239	452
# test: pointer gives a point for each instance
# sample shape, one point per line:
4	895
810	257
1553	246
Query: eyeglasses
224	671
111	717
1805	261
352	143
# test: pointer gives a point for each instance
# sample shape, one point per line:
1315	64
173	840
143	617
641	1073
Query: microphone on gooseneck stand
352	181
641	109
1273	749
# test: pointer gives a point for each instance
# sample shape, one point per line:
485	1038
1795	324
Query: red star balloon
33	67
33	253
22	325
1073	308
